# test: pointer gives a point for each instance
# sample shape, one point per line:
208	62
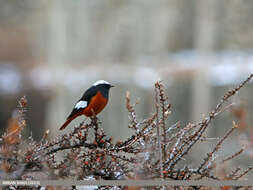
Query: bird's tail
68	121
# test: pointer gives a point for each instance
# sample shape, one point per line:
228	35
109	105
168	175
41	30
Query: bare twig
217	147
158	130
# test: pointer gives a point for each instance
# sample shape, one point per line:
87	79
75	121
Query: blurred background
52	51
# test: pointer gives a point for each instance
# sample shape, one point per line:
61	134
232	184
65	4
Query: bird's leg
84	120
94	121
96	129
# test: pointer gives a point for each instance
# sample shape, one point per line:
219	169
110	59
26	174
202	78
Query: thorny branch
191	140
211	156
158	130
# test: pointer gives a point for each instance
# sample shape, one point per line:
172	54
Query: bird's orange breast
96	105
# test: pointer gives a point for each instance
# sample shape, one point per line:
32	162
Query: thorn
235	125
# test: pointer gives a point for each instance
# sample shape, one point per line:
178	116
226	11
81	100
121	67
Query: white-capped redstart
91	103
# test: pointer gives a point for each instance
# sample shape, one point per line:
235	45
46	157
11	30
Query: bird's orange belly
96	105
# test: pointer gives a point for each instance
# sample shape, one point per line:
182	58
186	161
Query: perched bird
92	102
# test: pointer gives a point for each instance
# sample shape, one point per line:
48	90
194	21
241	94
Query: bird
91	103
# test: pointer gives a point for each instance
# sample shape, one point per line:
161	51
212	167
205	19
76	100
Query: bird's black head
103	86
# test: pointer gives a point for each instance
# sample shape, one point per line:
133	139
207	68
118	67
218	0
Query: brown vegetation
155	150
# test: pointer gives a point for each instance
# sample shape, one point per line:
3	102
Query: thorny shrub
153	151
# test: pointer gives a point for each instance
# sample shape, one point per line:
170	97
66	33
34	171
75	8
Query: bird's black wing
88	94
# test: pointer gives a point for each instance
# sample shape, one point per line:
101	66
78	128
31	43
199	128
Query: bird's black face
102	86
107	86
104	89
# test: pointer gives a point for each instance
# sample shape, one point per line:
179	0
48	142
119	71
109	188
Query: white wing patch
81	104
100	82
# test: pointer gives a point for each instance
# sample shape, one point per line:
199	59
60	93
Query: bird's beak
112	86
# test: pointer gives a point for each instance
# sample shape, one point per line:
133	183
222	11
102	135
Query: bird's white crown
100	82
